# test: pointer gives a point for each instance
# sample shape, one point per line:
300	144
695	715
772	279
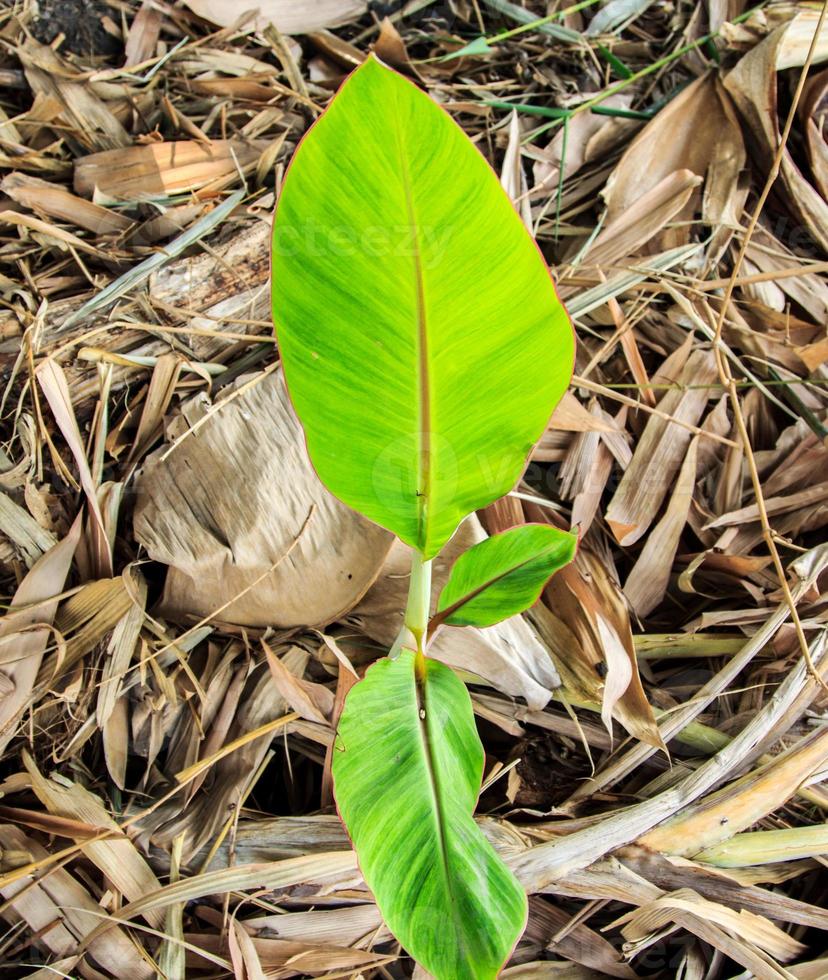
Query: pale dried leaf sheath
753	929
142	173
768	847
741	804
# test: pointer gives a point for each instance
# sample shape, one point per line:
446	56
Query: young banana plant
424	349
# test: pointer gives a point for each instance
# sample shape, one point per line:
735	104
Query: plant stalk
419	598
415	625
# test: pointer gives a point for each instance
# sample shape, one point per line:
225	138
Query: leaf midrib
423	380
421	699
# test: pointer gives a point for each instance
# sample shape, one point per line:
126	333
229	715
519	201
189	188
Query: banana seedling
424	348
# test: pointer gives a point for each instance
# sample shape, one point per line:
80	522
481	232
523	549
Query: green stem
419	598
415	625
535	24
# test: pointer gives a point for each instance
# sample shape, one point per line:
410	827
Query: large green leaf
423	344
407	766
503	575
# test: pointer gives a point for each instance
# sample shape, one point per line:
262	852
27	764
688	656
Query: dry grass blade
767	847
62	911
37	602
117	859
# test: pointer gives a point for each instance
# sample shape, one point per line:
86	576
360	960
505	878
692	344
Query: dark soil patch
80	21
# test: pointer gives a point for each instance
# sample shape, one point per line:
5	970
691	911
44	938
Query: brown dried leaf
571	416
23	530
647	582
578	943
55	387
390	47
161	389
312	701
243	954
118	857
697	131
585	621
122	644
512	176
222	534
143	34
62	913
643	220
85	619
78	107
753	86
56	202
589	137
814	111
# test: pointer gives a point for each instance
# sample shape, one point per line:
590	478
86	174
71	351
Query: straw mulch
179	635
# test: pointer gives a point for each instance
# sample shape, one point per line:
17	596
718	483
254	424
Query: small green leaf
422	340
503	575
407	766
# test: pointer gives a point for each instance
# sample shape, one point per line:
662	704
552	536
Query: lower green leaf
407	768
